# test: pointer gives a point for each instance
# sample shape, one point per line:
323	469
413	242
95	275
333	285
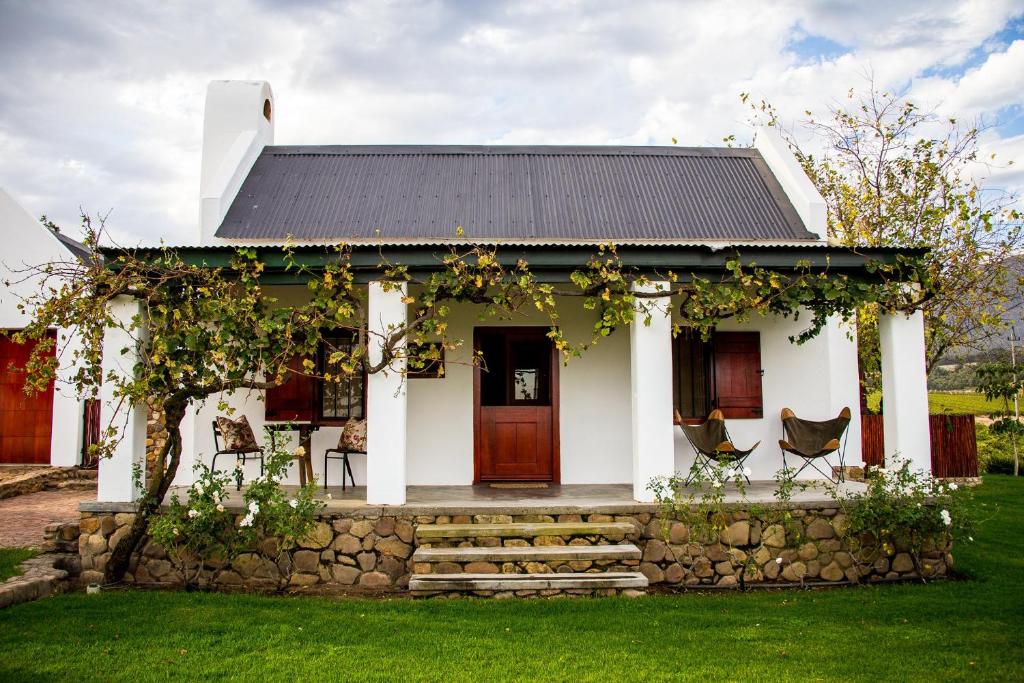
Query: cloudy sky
101	103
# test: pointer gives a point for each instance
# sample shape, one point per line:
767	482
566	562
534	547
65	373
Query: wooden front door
516	405
25	421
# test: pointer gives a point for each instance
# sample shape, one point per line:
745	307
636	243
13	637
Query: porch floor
554	499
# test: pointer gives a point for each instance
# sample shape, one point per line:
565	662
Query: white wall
595	413
815	379
27	243
594	410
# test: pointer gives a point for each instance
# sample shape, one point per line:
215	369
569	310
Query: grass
940	631
10	558
969	403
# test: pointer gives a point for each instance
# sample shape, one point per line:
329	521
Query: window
339	400
305	398
724	373
516	368
691	388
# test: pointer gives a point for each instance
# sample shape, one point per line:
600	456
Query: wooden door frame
556	456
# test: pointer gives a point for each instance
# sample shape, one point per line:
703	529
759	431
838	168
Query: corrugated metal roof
512	193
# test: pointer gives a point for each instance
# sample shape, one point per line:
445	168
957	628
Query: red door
25	421
516	399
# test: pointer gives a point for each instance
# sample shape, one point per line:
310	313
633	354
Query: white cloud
996	83
101	103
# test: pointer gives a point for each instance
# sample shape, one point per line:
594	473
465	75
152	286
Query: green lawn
949	402
946	630
10	558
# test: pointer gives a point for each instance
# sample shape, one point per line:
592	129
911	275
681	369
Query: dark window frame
318	398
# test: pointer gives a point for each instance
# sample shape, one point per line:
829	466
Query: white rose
717	484
294	503
220	508
254	507
953	486
192	514
246	521
299	452
946	519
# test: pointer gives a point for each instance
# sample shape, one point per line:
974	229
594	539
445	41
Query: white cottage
604	419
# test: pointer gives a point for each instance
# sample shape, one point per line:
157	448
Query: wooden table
305	430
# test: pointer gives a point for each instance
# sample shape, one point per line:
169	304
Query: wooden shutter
296	398
738	374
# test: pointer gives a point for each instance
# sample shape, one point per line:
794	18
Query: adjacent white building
46	428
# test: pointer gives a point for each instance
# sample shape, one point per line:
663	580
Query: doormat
520	485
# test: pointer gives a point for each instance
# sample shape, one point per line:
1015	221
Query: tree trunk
163	475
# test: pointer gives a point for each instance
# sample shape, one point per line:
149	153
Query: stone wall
53	571
355	551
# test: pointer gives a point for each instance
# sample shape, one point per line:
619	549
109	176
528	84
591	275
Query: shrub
274	522
200	530
995	450
904	510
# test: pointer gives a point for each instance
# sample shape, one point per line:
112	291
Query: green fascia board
549	263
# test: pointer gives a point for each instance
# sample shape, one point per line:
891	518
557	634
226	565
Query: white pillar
68	409
905	389
650	360
386	406
120	354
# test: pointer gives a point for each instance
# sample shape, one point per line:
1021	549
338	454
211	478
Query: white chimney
806	199
238	123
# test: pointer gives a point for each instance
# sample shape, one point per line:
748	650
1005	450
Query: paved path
23	518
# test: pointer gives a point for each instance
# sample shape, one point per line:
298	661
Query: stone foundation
361	552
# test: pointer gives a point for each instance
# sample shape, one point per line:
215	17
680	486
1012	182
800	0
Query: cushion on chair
237	435
353	436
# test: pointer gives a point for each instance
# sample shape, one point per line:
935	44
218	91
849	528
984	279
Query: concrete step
436	583
543	553
426	532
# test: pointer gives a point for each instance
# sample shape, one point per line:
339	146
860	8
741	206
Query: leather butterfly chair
711	442
814	441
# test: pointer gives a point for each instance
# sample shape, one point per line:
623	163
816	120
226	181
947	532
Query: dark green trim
548	263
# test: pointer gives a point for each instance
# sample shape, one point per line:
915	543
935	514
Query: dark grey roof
511	192
74	246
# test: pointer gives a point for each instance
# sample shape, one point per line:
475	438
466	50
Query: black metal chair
813	441
348	444
711	442
341	454
240	454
